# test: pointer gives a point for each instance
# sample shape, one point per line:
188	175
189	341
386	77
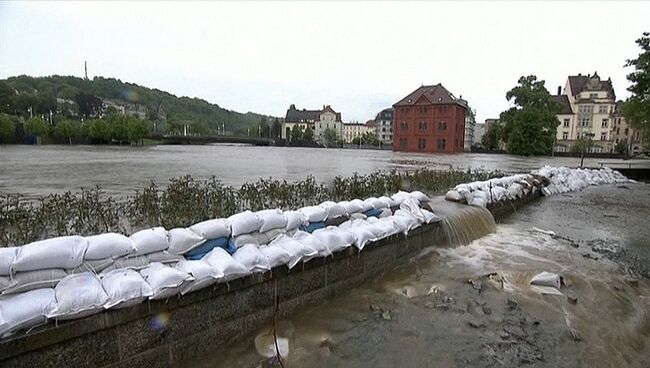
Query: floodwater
426	313
40	170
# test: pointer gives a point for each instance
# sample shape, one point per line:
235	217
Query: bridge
205	139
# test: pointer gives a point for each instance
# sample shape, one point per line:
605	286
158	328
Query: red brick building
429	120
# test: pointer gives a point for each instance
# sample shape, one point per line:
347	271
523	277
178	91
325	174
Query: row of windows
586	122
424	109
602	109
424	126
441	143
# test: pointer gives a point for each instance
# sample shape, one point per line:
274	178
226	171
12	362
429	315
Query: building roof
436	95
295	116
371	123
564	101
579	83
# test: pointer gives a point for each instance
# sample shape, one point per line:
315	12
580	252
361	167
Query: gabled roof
294	115
564	101
436	95
579	83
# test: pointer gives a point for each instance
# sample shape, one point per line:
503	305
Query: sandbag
296	250
4	283
454	196
403	215
419	196
360	231
313	226
133	263
334	238
203	249
212	229
150	240
376	203
271	219
478	202
164	257
430	217
125	288
547	279
333	209
243	239
77	296
360	203
276	255
386	212
165	281
25	310
226	265
183	240
94	266
400	197
336	221
31	280
268	236
314	213
202	273
62	252
109	245
402	224
7	257
312	242
389	201
351	207
244	223
295	219
250	256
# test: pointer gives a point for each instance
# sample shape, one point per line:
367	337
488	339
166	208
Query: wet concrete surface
473	305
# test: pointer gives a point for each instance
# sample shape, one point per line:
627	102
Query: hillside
61	93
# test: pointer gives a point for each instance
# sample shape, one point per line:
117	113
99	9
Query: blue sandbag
372	213
313	226
204	248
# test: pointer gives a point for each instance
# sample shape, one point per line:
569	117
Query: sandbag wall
72	277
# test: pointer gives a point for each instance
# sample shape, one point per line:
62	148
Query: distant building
355	130
316	120
622	132
479	131
430	120
384	125
470	124
126	108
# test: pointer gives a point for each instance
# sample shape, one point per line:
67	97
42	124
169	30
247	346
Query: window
603	136
422	143
404	126
585	108
566	123
441	144
626	131
585	122
403	143
593	95
604	124
423	126
565	135
442	125
602	109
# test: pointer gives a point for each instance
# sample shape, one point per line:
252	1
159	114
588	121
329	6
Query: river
40	170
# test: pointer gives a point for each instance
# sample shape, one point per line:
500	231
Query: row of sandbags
564	179
483	193
50	292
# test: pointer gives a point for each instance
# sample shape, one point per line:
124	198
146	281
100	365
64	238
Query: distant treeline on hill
65	97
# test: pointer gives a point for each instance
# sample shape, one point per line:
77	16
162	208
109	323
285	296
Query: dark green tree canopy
636	109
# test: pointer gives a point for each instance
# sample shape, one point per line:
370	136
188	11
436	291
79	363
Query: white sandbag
296	250
244	223
386	212
25	310
295	219
4	283
164	257
334	209
358	216
454	196
389	201
349	207
376	203
359	203
400	197
334	238
212	229
413	207
429	217
202	273
419	196
133	263
404	215
150	240
268	236
93	266
7	257
498	194
402	224
183	240
547	279
165	281
62	252
223	262
314	213
515	190
77	296
256	238
478	202
361	232
312	242
271	219
250	256
381	229
276	255
125	288
31	280
109	245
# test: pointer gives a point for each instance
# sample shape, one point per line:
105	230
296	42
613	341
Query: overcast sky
358	57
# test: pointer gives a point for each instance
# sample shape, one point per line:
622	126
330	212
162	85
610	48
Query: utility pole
86	69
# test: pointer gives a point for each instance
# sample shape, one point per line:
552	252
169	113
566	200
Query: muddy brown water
427	312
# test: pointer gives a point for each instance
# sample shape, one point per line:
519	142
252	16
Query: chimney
559	90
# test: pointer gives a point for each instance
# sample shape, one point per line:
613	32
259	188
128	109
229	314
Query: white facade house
356	130
317	120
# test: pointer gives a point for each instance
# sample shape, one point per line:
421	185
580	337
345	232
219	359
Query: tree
308	136
263	128
636	109
99	130
584	144
138	130
276	129
7	128
296	135
529	128
621	148
492	138
89	105
330	138
369	139
8	98
36	127
119	126
66	129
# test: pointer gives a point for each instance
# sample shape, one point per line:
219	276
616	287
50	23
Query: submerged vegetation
186	201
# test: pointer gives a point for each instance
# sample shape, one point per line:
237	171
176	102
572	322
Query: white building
470	125
384	126
355	130
317	120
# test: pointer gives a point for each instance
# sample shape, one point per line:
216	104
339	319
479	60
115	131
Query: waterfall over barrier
461	224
